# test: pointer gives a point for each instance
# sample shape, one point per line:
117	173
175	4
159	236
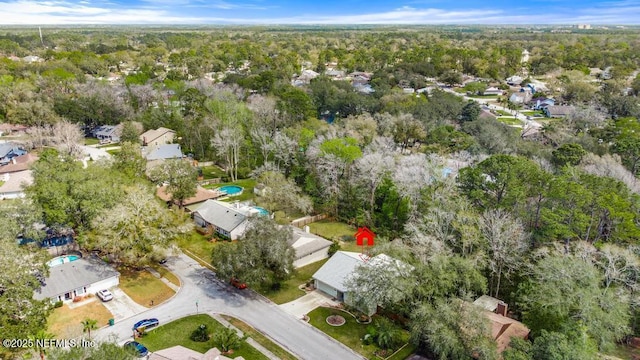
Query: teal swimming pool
231	190
62	259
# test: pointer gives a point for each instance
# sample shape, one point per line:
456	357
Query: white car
105	295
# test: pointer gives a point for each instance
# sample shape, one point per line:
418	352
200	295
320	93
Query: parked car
136	347
105	295
146	323
237	283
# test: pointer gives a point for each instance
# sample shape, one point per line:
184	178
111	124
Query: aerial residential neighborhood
397	183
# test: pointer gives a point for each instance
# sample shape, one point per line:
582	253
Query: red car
238	284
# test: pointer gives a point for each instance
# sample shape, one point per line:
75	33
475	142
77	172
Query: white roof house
221	218
14	183
331	278
308	247
156	137
77	278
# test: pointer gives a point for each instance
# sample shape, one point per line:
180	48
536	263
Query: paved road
201	287
529	125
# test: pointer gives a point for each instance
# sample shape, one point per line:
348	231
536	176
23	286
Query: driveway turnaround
304	305
122	306
201	292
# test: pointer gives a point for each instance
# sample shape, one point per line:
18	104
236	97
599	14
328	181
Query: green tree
228	339
453	329
102	351
88	325
568	154
180	177
129	161
387	334
69	194
130	132
138	230
38	340
263	258
565	293
470	111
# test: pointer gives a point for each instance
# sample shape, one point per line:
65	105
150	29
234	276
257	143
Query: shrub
334	248
228	339
200	334
58	304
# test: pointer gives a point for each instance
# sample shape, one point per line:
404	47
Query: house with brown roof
157	137
18	163
503	328
191	203
182	353
12	129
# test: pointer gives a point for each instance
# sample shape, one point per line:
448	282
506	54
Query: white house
308	247
333	275
13	184
222	218
77	278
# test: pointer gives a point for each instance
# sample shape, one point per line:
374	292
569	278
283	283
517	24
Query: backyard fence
209	181
307	220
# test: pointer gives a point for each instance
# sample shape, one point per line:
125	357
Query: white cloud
22	12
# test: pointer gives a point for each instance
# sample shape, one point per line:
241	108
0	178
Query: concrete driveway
201	292
122	306
302	306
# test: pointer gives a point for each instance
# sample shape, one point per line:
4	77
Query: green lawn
332	230
143	287
113	151
212	172
247	191
350	334
504	113
260	339
289	290
199	245
91	141
177	333
509	120
165	273
624	352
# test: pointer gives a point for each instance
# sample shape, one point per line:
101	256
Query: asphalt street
201	292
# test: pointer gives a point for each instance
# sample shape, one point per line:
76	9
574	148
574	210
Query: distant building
308	247
107	133
159	136
13	184
558	111
584	26
503	328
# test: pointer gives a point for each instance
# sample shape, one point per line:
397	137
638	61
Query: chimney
502	308
306	229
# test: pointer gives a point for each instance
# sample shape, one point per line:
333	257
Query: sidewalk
250	341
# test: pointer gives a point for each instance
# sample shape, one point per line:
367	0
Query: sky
322	12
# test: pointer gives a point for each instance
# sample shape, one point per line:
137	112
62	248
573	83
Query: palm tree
88	325
387	334
37	341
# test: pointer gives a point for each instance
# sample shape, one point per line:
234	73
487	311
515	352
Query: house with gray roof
331	277
308	247
558	111
76	278
107	133
162	152
222	218
8	151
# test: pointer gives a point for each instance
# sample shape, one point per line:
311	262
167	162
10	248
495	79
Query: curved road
200	286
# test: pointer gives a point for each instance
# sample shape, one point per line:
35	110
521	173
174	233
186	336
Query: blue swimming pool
231	190
261	210
62	259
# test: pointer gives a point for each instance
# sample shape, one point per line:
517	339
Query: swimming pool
231	190
62	259
261	210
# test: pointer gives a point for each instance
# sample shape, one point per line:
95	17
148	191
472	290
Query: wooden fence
307	220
